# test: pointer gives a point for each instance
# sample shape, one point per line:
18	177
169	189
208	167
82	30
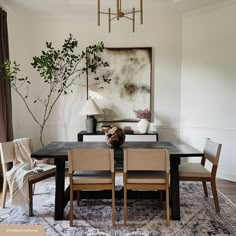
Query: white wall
161	31
208	85
195	105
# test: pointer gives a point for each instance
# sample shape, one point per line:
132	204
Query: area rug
145	217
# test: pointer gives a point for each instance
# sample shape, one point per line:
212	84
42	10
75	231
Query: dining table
58	151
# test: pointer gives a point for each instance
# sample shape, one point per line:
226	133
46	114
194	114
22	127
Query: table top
60	149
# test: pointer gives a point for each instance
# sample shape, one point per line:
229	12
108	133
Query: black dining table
58	151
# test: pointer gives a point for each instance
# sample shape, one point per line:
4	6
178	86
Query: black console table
130	136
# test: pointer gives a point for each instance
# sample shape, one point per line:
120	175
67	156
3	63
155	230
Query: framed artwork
129	71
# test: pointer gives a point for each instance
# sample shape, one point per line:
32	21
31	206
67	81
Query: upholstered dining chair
146	169
91	169
198	171
7	153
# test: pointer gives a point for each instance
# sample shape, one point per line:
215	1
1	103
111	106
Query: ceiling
73	7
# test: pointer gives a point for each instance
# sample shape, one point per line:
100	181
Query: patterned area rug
145	217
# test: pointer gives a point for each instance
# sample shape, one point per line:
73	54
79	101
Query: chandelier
121	14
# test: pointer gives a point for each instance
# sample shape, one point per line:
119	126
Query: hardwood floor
228	188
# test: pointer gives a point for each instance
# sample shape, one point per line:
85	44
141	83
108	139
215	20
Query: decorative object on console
115	136
143	114
143	126
105	128
128	130
145	118
121	14
90	109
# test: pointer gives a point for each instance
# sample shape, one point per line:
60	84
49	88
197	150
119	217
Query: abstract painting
129	72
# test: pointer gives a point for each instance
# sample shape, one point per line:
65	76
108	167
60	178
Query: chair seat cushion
193	170
155	177
92	177
45	169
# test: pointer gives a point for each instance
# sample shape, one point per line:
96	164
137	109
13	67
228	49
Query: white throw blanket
17	177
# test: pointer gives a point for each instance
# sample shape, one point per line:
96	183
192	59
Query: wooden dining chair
7	153
198	171
146	169
91	169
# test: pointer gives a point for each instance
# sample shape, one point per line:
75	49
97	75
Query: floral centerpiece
143	114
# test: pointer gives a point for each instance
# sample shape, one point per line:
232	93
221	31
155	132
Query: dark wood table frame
58	152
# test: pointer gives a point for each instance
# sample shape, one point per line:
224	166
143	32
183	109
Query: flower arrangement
143	114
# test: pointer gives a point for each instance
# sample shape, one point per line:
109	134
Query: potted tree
59	69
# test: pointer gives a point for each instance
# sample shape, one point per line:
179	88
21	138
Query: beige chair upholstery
198	172
91	169
146	169
7	153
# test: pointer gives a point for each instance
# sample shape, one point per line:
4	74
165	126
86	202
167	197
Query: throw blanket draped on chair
17	177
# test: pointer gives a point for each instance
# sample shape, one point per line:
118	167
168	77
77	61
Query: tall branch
59	70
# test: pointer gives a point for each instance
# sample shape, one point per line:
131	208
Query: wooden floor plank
228	188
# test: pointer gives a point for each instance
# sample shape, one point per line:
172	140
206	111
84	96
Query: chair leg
215	196
33	189
125	205
167	206
4	192
205	188
161	198
30	199
78	197
71	205
113	205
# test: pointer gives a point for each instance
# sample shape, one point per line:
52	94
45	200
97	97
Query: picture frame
129	89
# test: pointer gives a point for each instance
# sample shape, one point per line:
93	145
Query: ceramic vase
143	126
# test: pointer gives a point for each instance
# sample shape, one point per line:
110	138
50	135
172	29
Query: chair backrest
146	159
7	151
212	151
91	159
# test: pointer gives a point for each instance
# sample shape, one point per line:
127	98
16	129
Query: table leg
60	186
174	187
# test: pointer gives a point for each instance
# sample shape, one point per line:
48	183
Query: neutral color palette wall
194	61
161	31
208	84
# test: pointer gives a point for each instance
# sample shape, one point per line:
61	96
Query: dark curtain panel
6	130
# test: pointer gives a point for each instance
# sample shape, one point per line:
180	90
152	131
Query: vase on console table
143	126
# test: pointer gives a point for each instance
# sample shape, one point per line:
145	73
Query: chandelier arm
128	17
118	9
107	13
141	11
133	19
113	18
98	12
109	20
131	12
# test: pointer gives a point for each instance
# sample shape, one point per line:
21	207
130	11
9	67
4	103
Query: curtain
6	130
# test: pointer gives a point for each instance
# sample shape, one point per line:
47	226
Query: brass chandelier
121	14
